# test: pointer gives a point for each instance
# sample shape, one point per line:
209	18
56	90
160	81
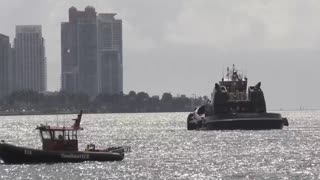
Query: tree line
64	102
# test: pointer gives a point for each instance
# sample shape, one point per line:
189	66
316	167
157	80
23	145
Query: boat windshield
59	135
45	134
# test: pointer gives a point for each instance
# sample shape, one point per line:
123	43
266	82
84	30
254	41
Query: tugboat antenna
222	71
228	73
64	122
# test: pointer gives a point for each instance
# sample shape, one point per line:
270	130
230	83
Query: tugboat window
45	134
67	135
74	135
59	135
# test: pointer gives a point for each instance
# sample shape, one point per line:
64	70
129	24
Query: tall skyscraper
29	67
79	52
91	52
110	54
5	62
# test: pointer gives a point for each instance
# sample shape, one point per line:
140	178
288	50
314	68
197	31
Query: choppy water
162	148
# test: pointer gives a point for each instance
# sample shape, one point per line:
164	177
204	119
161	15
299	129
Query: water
162	148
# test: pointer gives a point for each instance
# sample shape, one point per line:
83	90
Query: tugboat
232	107
59	144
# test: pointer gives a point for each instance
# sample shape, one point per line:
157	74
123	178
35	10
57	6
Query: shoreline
66	113
76	112
34	113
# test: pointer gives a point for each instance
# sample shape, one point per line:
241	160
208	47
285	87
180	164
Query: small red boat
59	144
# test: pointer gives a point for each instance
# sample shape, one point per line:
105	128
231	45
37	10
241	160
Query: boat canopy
58	133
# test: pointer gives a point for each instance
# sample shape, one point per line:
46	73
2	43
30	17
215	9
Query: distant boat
59	144
232	107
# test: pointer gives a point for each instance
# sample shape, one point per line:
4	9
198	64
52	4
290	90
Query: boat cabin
235	84
60	138
231	95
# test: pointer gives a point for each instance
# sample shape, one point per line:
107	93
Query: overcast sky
182	46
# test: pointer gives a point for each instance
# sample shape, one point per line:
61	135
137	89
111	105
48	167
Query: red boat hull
11	154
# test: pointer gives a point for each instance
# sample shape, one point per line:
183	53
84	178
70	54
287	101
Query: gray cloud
273	24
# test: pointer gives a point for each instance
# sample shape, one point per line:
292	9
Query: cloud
257	24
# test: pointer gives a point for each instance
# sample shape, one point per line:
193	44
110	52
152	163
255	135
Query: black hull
248	121
249	124
11	154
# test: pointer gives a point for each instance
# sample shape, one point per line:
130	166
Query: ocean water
162	148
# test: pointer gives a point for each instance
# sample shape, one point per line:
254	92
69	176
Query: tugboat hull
11	154
249	121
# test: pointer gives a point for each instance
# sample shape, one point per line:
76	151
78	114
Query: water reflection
162	148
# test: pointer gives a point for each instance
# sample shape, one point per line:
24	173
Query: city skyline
91	52
184	50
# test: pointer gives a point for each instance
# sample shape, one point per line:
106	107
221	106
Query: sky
183	46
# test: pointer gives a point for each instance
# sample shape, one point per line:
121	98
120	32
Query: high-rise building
29	67
110	54
91	52
79	52
5	62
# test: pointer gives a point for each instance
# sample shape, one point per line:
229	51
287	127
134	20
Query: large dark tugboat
232	107
59	144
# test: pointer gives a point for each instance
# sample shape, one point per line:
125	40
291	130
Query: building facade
110	54
29	66
5	65
79	52
91	52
